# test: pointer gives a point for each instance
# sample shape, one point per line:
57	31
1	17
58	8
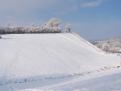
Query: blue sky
92	19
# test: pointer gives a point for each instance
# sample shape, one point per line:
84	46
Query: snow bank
29	55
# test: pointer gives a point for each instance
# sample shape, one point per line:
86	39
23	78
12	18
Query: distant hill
112	45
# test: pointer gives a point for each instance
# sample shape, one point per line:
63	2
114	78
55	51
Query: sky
92	19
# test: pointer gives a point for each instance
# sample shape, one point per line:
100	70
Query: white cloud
92	3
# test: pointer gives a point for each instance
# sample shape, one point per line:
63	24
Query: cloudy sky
93	19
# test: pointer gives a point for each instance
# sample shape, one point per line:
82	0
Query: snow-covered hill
41	56
110	45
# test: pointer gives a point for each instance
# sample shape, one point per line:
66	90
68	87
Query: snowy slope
29	55
109	82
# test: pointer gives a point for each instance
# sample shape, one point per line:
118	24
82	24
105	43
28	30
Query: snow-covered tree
52	25
67	28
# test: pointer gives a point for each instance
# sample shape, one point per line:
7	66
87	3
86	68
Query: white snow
41	54
25	56
104	81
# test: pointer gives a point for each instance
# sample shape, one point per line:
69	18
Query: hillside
28	57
